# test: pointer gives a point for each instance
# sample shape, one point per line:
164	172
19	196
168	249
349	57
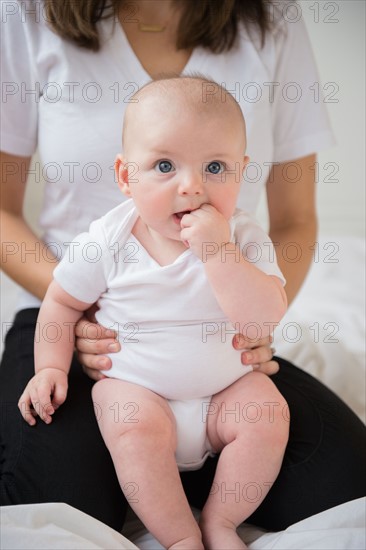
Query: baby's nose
191	184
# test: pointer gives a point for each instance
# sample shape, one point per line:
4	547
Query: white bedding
328	317
61	527
324	333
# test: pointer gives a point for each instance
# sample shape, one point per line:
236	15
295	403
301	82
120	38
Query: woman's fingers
93	373
97	347
240	342
259	354
255	356
269	368
92	331
94	361
92	342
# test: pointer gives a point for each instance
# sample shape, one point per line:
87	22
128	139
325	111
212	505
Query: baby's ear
121	172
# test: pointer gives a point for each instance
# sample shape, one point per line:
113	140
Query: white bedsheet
61	527
57	526
323	331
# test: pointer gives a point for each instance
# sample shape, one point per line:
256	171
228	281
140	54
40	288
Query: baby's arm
246	294
53	349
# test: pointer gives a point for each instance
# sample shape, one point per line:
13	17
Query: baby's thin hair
202	92
165	81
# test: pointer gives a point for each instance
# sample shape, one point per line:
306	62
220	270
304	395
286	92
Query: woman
65	91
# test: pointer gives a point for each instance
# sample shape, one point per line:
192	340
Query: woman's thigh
65	461
324	463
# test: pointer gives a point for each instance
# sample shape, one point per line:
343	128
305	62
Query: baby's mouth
180	215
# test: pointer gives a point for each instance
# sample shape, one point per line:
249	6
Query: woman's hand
92	341
258	354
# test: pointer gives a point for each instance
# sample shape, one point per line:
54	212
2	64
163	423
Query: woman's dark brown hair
211	24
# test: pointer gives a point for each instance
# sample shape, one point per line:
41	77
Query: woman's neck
155	49
152	12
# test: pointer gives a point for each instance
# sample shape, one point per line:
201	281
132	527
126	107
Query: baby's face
179	159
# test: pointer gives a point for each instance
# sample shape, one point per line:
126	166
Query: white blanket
61	527
323	331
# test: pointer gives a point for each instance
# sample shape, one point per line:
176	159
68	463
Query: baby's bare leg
249	422
138	428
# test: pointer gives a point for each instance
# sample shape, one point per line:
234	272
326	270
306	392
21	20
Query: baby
171	272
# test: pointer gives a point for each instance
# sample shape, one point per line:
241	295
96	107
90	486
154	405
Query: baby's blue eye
215	167
164	166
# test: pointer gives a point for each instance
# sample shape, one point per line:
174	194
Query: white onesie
176	340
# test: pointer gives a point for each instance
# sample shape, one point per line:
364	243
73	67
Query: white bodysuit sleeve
83	271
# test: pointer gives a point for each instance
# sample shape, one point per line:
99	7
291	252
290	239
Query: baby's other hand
44	393
205	229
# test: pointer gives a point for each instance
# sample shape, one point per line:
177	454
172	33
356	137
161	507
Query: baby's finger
186	234
26	410
193	217
41	401
59	395
206	207
186	221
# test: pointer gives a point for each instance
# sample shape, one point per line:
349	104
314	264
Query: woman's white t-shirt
69	103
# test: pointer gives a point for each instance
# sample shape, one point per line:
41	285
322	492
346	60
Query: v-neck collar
131	66
178	259
132	219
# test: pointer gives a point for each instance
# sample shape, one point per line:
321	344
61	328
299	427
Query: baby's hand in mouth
202	226
180	215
